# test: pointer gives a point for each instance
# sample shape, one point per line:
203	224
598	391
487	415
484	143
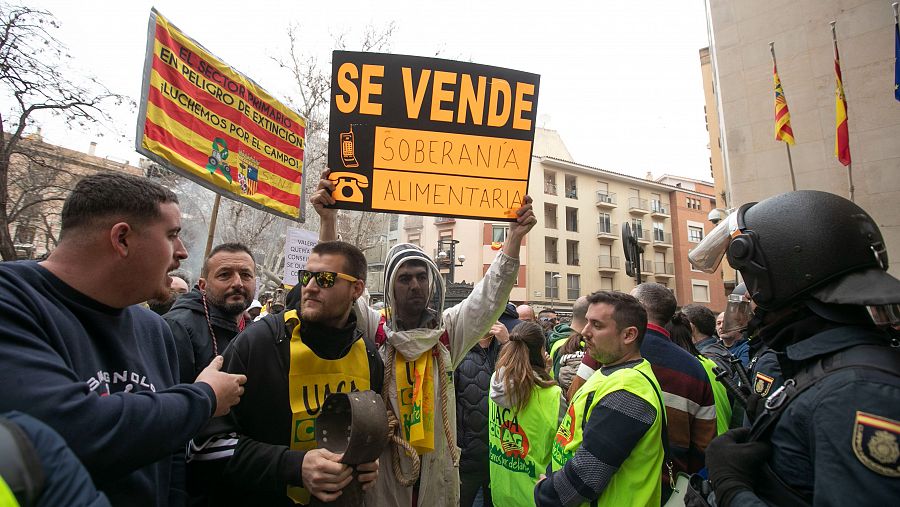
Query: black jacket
473	381
244	458
193	343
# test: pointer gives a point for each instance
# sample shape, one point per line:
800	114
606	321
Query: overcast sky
620	79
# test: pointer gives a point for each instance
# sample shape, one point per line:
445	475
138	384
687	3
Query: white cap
255	304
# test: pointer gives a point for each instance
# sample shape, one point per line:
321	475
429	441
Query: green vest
637	481
553	356
8	499
520	445
720	395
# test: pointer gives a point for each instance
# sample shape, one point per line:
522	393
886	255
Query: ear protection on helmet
745	255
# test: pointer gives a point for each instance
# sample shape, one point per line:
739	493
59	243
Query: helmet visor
737	313
709	253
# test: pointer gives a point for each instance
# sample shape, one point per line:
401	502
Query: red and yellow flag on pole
783	130
842	133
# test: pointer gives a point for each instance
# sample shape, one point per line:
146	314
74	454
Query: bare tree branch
35	81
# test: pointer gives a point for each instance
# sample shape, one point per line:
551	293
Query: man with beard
180	285
82	356
264	454
423	343
205	320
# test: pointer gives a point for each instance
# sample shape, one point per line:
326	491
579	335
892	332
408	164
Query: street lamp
447	256
554	288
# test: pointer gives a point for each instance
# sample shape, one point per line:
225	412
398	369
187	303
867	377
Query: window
606	283
700	291
551	284
659	232
550	216
573	283
694	203
637	227
571	252
571	187
394	222
415	239
550	183
499	232
657	205
550	250
605	223
695	234
572	219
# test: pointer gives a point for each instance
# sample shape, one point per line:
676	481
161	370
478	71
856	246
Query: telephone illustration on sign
347	186
348	149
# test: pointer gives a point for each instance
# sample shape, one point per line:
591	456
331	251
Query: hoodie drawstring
212	333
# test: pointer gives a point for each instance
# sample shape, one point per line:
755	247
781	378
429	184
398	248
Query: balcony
659	208
641	235
606	200
607	231
608	263
664	269
647	267
572	193
549	188
638	206
662	239
444	220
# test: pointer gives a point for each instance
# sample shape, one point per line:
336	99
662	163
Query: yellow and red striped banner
842	132
211	124
783	130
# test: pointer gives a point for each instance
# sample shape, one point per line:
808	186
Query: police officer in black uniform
815	265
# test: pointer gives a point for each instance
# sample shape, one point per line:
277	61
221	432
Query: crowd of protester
487	403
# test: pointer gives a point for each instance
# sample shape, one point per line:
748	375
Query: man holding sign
421	347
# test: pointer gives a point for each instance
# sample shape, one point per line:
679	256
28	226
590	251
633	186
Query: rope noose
394	428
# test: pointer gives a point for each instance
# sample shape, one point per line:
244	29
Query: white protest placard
297	245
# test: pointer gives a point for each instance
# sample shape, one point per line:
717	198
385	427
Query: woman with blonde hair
525	408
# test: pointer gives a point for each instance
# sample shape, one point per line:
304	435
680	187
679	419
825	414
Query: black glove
733	463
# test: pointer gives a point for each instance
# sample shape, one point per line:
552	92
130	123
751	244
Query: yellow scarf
415	392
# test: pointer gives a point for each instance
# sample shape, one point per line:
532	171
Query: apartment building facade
576	247
38	185
691	201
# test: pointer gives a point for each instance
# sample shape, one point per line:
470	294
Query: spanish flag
783	130
842	134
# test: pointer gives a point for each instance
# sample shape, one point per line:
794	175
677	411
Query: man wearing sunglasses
323	343
424	344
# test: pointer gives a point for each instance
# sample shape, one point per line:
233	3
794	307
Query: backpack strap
867	357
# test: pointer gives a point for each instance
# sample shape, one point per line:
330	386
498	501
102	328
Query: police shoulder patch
762	384
875	443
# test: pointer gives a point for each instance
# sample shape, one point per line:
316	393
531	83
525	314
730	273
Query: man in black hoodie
81	355
205	320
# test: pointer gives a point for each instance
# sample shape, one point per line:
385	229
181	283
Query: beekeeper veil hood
413	288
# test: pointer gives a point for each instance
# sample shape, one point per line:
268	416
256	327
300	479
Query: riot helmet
803	244
738	310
